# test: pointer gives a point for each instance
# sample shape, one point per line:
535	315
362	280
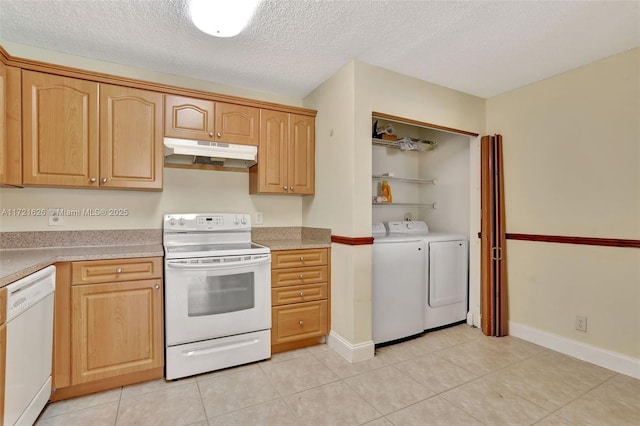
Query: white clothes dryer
446	278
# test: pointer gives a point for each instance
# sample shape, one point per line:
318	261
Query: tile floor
449	377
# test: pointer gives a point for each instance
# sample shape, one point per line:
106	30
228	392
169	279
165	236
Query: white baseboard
352	353
614	361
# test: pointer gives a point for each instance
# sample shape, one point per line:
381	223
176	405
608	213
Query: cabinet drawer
298	276
294	258
100	271
299	321
298	293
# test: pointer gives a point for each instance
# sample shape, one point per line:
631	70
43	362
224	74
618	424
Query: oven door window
221	294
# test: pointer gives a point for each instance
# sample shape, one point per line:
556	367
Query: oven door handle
222	265
221	348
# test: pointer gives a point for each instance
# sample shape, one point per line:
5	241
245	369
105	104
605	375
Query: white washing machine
398	290
446	278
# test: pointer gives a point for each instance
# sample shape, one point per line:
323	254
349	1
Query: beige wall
184	190
343	189
572	167
332	205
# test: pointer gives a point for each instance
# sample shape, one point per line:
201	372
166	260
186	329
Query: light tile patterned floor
449	377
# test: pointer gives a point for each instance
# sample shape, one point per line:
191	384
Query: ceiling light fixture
222	18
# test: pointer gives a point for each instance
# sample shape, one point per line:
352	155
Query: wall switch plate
259	218
581	323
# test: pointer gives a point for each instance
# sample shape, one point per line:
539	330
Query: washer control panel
407	226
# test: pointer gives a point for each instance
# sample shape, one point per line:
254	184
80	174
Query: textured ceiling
291	46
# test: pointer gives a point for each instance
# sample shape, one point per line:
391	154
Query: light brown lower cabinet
110	333
300	289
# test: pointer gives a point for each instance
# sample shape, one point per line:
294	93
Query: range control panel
182	222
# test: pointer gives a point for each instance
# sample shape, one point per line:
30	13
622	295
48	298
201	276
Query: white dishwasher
29	346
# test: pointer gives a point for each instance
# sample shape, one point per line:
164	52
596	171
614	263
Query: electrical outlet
408	216
259	218
581	323
55	219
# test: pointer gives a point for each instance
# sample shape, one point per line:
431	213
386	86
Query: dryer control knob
172	221
181	221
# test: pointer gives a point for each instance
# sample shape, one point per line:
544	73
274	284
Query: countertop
292	238
293	244
18	263
23	253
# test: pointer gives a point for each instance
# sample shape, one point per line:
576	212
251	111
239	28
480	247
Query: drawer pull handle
301	276
119	271
302	294
301	323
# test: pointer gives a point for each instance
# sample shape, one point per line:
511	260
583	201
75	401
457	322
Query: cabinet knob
210	134
219	134
301	323
157	287
103	180
301	258
291	188
285	188
92	180
119	271
302	294
301	276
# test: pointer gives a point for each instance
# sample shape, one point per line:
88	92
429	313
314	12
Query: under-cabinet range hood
186	151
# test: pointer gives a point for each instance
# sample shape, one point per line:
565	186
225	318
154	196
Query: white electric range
217	293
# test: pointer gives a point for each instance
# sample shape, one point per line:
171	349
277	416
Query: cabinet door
270	174
116	329
10	126
301	158
131	153
60	130
236	124
188	118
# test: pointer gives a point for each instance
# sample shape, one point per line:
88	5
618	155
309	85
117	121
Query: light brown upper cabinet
10	126
286	155
208	120
67	142
131	150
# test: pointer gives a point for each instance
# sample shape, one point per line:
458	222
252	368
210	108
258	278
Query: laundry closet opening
428	173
